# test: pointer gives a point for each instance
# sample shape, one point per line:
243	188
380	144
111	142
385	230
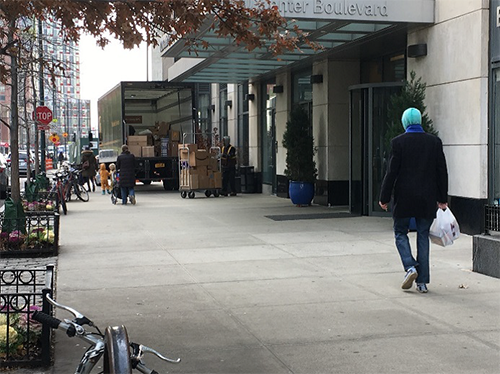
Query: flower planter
301	193
23	342
36	235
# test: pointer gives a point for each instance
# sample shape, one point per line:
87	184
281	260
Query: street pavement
252	284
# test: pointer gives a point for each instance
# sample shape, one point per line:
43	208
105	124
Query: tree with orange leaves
133	22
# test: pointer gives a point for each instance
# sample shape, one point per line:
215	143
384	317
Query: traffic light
73	137
90	136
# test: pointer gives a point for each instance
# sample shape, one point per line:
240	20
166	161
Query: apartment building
371	46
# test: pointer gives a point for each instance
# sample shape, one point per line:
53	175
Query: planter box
486	255
24	342
36	235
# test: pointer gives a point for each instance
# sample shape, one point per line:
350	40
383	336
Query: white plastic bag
444	230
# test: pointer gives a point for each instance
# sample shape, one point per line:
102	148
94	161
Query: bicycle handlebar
46	319
54	323
75	312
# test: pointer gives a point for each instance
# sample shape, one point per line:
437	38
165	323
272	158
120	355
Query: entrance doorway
369	146
269	138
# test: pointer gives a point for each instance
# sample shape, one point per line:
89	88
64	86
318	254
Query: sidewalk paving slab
218	283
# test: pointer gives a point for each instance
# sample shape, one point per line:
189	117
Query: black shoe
233	193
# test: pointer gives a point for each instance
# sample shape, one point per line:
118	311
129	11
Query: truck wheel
191	194
208	193
183	194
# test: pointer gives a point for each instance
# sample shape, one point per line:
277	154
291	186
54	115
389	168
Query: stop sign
43	115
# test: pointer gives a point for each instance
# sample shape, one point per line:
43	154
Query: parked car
23	163
4	177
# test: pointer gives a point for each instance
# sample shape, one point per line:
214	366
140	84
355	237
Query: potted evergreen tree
300	165
412	95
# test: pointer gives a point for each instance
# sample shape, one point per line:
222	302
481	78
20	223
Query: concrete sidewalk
239	285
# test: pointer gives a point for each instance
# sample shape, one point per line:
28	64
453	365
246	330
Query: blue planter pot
301	193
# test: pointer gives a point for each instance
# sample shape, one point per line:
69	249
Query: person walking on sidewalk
104	174
125	165
89	168
228	163
418	175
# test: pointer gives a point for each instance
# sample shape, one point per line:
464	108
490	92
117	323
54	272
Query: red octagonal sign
43	115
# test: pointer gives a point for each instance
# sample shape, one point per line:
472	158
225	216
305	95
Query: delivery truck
150	117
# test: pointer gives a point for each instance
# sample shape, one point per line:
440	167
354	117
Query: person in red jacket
418	177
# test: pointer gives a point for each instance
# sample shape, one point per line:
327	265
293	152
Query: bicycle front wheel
81	192
117	351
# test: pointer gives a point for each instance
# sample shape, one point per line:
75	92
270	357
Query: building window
243	133
204	110
495	125
302	88
268	134
222	110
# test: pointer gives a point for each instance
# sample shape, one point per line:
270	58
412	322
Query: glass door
495	135
369	145
269	138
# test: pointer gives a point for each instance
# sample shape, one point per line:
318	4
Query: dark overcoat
417	174
125	164
88	155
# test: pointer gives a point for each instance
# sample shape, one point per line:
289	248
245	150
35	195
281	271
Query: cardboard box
175	136
185	150
199	158
161	129
213	163
199	170
184	178
215	179
142	140
172	149
136	150
148	151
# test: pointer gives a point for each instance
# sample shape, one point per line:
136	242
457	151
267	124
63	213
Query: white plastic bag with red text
445	229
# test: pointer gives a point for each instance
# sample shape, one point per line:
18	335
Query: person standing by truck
125	165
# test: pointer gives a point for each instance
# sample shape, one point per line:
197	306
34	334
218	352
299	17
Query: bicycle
120	356
75	187
72	184
57	193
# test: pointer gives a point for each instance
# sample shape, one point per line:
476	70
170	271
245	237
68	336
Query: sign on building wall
419	11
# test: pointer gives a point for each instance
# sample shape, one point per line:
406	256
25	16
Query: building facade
370	48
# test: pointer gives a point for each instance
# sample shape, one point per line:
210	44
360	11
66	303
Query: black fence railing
37	234
491	218
23	341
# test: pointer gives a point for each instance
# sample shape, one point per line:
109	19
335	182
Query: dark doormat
295	217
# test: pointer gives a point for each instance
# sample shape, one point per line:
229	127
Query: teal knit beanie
411	116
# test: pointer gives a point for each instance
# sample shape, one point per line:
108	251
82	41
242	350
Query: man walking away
125	164
418	176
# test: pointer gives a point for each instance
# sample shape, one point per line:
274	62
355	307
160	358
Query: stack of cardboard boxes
199	168
140	145
162	142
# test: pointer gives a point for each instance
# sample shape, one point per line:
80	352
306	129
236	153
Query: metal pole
42	93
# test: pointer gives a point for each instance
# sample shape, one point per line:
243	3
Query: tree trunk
14	122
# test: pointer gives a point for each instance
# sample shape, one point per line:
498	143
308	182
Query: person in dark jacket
418	176
89	167
125	165
228	163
